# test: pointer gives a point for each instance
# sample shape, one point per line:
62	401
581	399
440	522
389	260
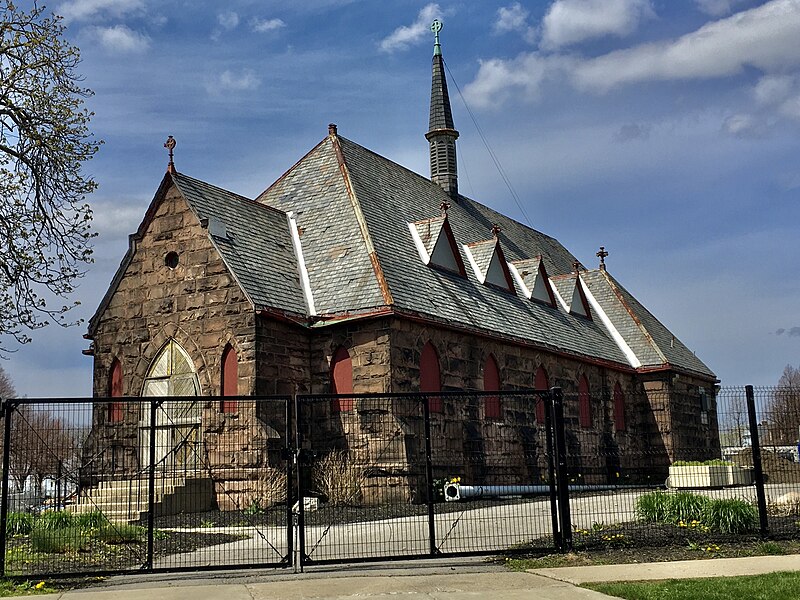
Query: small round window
171	260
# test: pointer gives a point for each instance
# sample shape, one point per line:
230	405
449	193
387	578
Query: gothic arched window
541	382
491	383
115	409
341	379
584	403
230	379
430	379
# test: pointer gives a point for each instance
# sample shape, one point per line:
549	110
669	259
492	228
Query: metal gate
375	471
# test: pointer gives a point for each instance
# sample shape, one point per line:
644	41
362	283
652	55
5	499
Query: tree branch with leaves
45	222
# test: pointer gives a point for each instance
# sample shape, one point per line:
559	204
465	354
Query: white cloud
497	79
717	8
763	37
82	10
774	89
228	20
514	18
120	39
744	126
264	25
511	18
231	81
573	21
406	35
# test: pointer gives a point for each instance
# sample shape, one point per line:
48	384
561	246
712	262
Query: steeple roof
441	116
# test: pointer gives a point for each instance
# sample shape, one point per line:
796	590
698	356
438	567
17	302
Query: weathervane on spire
436	27
170	145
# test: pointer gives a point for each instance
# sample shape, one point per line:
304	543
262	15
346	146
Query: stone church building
352	274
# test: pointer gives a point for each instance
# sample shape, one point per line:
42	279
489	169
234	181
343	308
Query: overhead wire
490	151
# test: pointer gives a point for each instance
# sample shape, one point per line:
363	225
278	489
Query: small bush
731	515
59	541
120	533
90	520
269	489
337	477
58	519
19	523
653	507
686	507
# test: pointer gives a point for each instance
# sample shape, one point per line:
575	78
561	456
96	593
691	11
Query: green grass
19	523
731	516
24	588
773	586
59	541
120	533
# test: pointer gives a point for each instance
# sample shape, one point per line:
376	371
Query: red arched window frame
491	383
541	382
115	409
430	379
230	379
341	379
619	408
584	402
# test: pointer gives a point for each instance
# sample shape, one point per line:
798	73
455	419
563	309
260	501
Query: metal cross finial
577	266
170	145
496	230
444	207
436	27
602	254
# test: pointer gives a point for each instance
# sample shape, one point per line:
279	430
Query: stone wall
197	303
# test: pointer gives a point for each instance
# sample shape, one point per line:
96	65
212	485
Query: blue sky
666	131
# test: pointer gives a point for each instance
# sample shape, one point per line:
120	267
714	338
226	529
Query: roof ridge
616	289
292	168
362	222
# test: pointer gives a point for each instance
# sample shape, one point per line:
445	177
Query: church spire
441	134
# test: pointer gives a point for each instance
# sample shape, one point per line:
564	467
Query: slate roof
257	247
653	344
441	116
353	209
336	253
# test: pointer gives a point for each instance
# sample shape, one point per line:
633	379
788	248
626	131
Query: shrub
90	520
686	507
337	477
58	519
19	523
269	489
731	515
60	540
653	507
120	533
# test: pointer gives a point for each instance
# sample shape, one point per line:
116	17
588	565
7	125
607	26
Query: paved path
416	581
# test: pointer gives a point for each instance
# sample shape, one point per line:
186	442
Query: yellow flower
39	585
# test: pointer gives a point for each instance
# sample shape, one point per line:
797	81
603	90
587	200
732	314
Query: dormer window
579	305
436	244
489	264
532	278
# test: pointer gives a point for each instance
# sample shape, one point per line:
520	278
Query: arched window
230	379
619	408
541	382
341	379
115	409
491	383
430	379
584	402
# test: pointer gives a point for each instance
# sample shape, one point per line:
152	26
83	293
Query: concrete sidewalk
440	581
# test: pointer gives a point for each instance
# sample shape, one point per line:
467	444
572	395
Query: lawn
773	586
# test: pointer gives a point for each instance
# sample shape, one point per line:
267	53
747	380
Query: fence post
151	488
8	408
426	414
289	455
551	472
757	470
299	457
561	475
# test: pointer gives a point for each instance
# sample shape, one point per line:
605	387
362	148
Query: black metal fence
112	485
